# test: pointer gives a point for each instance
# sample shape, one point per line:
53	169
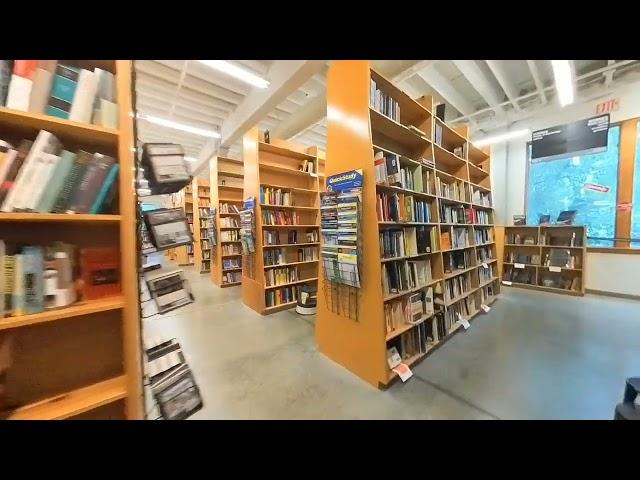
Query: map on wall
586	183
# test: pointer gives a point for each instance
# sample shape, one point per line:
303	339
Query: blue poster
345	181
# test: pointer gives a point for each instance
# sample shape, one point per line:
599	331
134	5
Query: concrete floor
534	356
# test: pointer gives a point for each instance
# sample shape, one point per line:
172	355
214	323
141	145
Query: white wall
606	272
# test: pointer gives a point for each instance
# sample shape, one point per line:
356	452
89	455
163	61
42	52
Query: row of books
280	217
228	263
575	240
275	196
405	275
205	244
279	296
412	343
515	257
278	256
231	277
383	103
547	279
519	239
41	176
486	274
483	235
272	237
558	257
480	197
49	87
389	172
484	254
453	214
478	217
228	208
458	260
408	310
307	166
519	275
231	249
229	222
281	276
408	241
205	224
205	213
457	286
454	237
38	278
487	292
464	309
460	151
229	236
202	203
453	191
398	207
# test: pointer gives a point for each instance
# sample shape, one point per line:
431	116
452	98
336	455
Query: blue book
33	275
63	90
107	185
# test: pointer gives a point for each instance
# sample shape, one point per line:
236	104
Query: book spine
57	182
75	176
33	271
83	99
5	80
107	185
62	91
17	298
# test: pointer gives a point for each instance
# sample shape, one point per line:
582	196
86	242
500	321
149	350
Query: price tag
518	265
484	264
505	282
555	269
486	308
465	323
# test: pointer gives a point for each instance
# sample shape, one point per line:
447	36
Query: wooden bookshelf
202	247
184	255
361	345
539	249
227	187
275	166
84	359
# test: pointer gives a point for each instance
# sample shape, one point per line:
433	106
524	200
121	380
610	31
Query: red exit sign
608	106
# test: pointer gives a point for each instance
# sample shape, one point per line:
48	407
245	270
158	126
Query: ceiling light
191	159
236	72
178	126
501	138
564	81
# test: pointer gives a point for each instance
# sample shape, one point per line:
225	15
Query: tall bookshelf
227	185
184	255
275	166
82	361
201	218
356	132
545	257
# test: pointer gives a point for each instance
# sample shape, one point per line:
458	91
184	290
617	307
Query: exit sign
608	106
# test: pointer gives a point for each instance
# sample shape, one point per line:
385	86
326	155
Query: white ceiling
487	94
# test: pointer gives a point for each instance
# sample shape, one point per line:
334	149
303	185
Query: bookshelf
226	179
286	255
550	258
200	222
185	255
80	361
445	171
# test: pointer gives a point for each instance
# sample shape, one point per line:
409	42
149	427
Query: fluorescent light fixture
178	126
236	72
191	159
564	81
503	137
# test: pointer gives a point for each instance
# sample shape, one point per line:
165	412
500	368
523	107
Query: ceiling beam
479	81
505	82
441	85
537	80
608	75
285	77
305	117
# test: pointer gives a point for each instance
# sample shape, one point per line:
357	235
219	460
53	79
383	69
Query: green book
75	176
57	182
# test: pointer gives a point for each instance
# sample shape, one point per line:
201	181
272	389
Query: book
33	273
106	115
100	272
17	297
380	167
5	79
45	165
21	84
42	82
108	186
12	169
63	91
104	107
2	277
56	184
76	174
87	190
84	97
18	196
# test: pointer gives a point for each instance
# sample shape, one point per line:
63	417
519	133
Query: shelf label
484	264
462	321
506	282
403	371
555	269
486	308
518	265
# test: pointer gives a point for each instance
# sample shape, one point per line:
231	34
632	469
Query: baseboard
613	294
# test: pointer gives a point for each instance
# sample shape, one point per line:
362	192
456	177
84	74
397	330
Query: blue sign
345	181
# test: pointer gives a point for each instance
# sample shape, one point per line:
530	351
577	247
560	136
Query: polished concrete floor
534	356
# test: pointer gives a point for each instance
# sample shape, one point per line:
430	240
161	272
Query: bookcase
80	361
424	183
185	255
287	221
227	185
200	220
545	257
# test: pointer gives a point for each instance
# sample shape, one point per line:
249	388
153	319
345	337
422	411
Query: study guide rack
428	241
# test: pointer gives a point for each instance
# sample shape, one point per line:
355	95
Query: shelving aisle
452	179
80	361
287	222
227	187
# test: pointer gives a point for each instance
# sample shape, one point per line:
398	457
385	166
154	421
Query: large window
586	183
635	212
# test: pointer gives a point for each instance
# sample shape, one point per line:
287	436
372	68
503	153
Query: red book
100	272
25	68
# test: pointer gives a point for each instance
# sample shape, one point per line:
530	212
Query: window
635	212
586	183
